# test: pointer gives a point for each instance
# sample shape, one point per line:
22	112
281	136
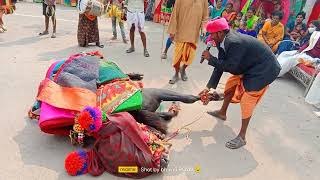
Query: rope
163	33
175	133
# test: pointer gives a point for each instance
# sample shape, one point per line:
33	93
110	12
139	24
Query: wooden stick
164	27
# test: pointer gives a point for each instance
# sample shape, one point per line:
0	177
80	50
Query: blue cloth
250	33
168	43
286	45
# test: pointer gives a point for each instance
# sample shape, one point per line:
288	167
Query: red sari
157	11
315	12
230	17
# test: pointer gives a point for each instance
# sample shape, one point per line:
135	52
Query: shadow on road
209	158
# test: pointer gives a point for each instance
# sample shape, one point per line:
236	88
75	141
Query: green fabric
252	21
295	6
216	13
246	6
109	71
132	103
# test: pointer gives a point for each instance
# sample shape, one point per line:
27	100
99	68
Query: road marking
27	15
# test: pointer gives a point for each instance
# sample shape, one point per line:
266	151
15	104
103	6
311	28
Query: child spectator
297	33
237	21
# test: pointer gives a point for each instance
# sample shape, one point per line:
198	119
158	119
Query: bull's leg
151	119
166	115
153	97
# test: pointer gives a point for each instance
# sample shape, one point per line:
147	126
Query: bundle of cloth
82	80
120	142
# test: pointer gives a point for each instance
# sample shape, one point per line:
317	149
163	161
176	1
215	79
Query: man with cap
253	67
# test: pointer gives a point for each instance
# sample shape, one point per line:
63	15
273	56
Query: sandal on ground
184	76
146	53
174	80
99	45
43	33
236	143
4	28
53	35
164	56
130	50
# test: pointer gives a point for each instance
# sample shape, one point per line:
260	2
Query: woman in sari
251	19
157	11
267	7
315	13
236	4
229	13
217	10
272	32
88	30
149	10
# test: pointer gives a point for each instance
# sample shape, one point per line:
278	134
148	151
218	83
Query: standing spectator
116	13
136	20
188	17
88	30
49	10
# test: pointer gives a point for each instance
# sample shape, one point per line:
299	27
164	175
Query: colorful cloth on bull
119	96
71	98
109	71
82	72
108	152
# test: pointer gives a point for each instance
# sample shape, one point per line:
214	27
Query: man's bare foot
218	115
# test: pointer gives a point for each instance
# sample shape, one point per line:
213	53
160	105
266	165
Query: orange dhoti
184	53
247	99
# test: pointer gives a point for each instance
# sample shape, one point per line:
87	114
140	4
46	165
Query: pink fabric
55	120
307	69
217	25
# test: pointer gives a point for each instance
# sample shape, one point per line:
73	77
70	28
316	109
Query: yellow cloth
187	19
248	100
117	12
274	34
185	53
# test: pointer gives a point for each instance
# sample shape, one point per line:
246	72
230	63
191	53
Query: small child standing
116	12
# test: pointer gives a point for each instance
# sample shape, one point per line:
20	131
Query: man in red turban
253	67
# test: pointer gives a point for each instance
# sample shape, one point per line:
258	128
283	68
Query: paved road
283	139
